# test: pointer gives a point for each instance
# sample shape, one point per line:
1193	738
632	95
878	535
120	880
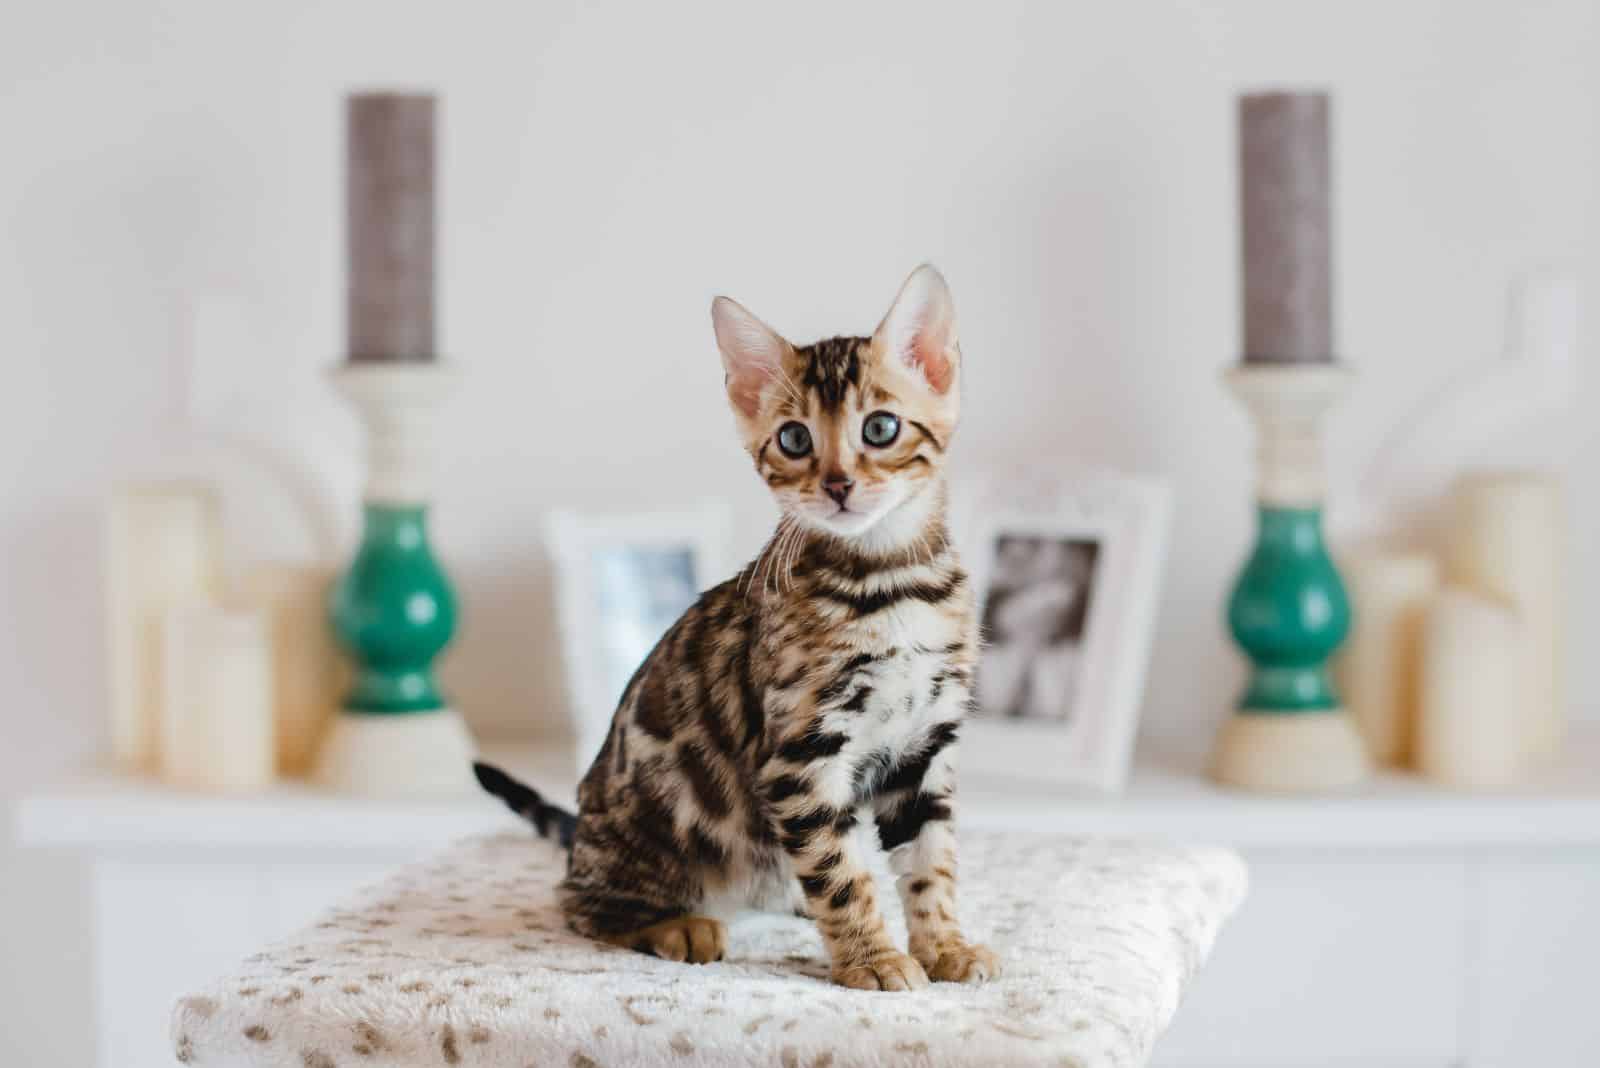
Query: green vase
394	612
1289	612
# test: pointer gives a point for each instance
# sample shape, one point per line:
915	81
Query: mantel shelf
102	811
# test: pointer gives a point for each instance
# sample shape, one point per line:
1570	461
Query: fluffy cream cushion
465	961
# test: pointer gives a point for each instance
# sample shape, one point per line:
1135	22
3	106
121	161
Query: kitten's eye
881	428
794	439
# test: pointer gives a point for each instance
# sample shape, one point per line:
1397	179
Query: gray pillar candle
389	220
1285	227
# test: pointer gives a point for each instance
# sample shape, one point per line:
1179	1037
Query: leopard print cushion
465	960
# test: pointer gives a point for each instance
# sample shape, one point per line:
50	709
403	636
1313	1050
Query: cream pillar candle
306	668
1377	671
216	708
1469	727
1507	540
163	546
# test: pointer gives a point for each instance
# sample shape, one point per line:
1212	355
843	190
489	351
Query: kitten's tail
525	801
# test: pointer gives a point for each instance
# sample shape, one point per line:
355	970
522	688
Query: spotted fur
809	708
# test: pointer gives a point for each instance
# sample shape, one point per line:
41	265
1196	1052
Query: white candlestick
1470	727
1378	670
163	546
1507	540
1273	743
408	754
216	712
1289	405
306	668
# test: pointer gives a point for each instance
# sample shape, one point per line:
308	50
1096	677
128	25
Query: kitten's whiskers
763	558
785	559
771	554
793	557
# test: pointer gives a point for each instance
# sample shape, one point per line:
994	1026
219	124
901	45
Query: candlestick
163	546
394	610
1506	541
293	598
1285	227
1470	731
1289	611
216	710
390	226
1378	672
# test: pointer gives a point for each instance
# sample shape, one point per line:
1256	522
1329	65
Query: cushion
464	960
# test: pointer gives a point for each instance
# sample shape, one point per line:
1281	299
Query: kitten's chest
915	679
912	624
905	700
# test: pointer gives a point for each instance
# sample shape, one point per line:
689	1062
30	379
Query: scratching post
394	610
1289	611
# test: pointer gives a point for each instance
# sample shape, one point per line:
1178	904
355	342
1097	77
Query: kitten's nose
838	487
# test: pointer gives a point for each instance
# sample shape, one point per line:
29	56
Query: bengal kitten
824	683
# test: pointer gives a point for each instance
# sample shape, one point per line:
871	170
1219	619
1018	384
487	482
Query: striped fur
808	709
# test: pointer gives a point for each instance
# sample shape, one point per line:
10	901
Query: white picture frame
620	582
1101	538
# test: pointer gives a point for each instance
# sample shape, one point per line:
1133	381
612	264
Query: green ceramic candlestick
1289	611
393	609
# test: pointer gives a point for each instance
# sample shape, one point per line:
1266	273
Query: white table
1398	925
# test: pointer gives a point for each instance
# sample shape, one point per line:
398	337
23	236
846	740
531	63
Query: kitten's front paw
962	963
889	970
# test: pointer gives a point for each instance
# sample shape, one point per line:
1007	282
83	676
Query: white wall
608	167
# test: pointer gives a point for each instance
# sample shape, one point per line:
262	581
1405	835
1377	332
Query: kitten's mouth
848	521
851	518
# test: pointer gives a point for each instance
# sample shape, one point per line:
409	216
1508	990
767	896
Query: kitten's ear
921	328
752	354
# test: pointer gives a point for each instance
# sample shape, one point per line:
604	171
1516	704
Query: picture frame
1067	573
620	582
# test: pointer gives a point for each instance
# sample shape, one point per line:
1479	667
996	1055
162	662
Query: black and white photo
1034	618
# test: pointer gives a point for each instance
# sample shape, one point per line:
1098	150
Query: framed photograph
621	582
1067	573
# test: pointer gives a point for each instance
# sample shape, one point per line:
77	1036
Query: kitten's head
848	430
